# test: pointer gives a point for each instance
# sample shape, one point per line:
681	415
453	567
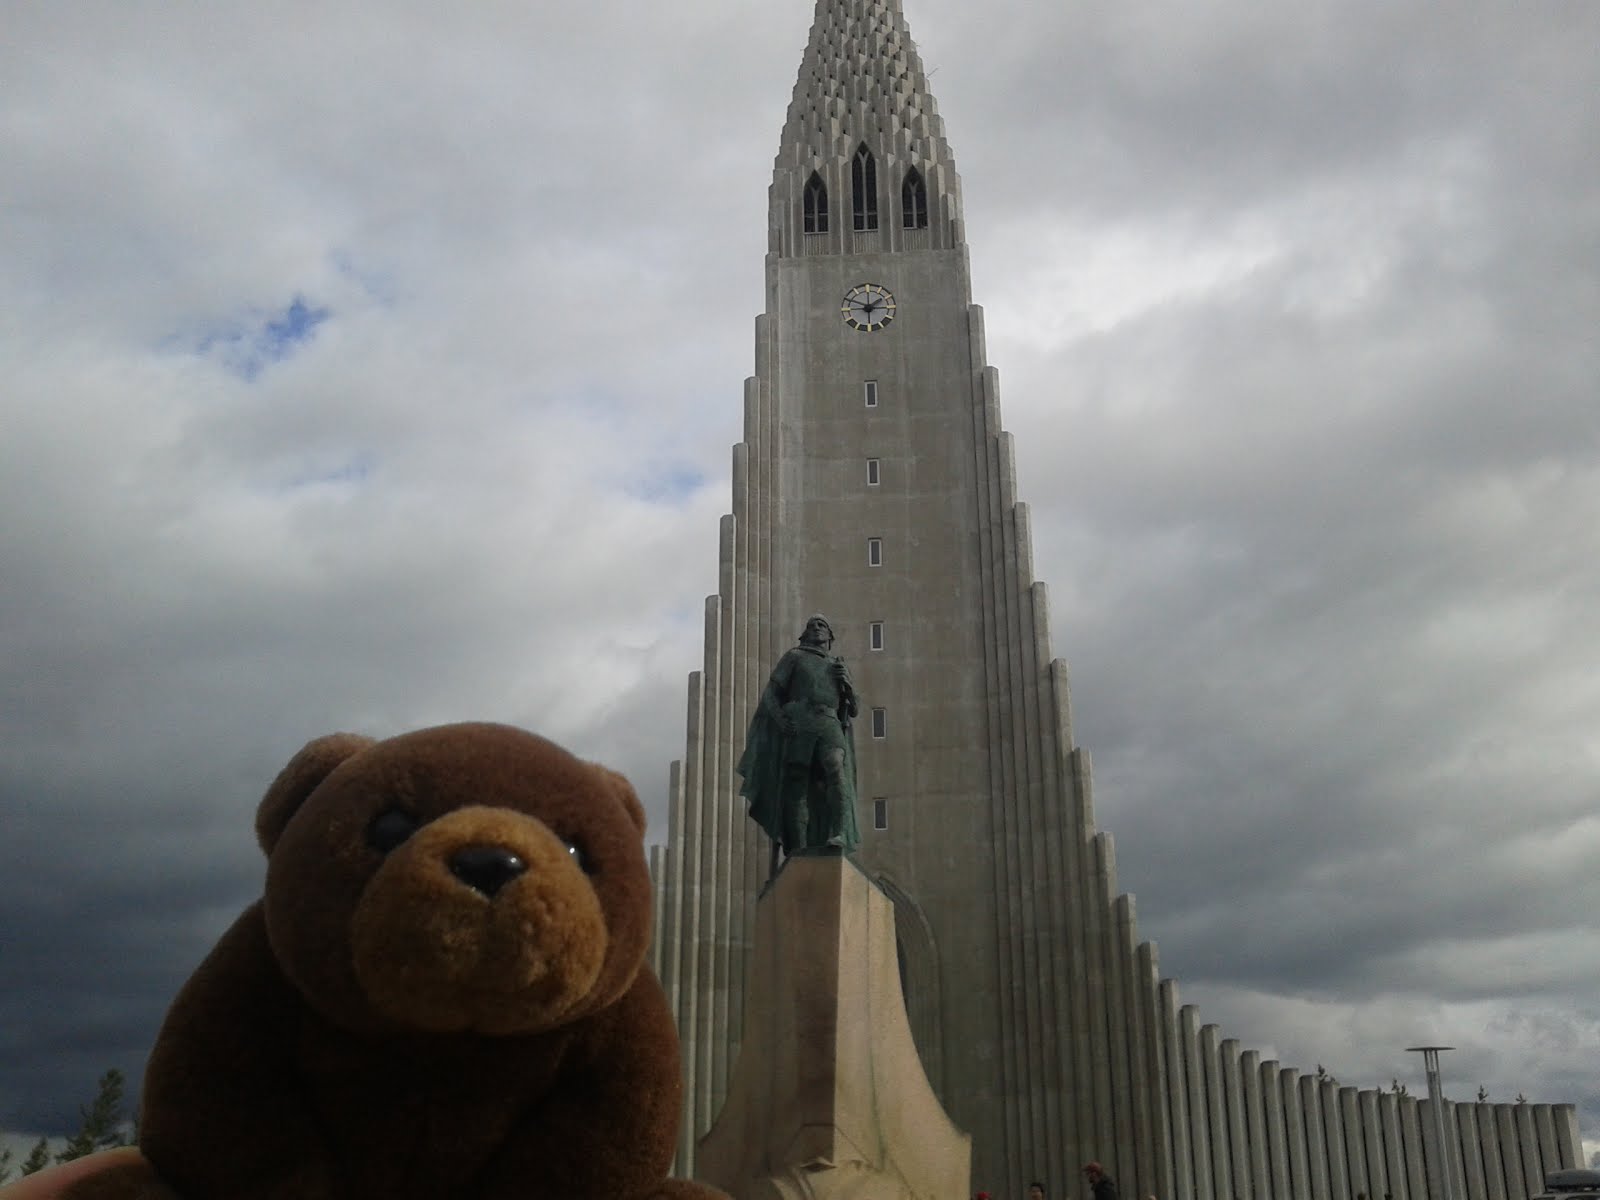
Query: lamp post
1430	1061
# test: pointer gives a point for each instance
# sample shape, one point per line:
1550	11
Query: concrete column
1544	1126
1009	833
1457	1153
1119	1011
749	624
1066	957
1177	1092
1505	1125
1494	1171
1195	1083
1394	1151
690	947
1355	1144
1372	1140
1016	636
1097	891
735	715
1316	1139
1472	1181
1063	831
1279	1184
1155	1029
1528	1141
1446	1165
764	442
670	899
1255	1129
1333	1133
1240	1186
1565	1117
1294	1135
657	855
1044	760
719	776
1433	1153
1077	858
711	934
1216	1113
1411	1138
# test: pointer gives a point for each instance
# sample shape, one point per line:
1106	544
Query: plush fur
405	1014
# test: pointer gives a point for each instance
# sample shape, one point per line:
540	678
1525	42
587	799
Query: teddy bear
441	995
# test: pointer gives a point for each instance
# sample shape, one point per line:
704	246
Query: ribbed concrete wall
1260	1132
1039	1014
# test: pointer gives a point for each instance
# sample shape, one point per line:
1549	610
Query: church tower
874	483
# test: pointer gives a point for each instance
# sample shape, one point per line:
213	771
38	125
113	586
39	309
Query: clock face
867	307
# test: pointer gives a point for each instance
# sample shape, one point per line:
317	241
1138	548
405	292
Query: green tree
38	1158
103	1124
103	1127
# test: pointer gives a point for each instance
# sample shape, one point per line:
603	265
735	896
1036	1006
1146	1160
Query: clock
867	307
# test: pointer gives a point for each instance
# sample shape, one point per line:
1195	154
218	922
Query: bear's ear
299	779
624	792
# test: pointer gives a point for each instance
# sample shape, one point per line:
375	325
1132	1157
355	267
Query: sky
370	369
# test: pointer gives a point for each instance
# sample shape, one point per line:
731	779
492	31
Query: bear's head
464	878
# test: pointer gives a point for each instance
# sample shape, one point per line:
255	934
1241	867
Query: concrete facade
1038	1014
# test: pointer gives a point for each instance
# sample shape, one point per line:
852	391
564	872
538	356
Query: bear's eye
389	828
579	857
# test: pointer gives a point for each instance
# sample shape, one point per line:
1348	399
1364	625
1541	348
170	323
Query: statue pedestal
829	1100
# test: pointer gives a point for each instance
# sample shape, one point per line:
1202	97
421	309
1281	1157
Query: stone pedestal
829	1100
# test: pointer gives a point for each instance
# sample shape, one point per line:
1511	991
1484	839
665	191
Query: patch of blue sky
350	473
298	323
665	483
251	344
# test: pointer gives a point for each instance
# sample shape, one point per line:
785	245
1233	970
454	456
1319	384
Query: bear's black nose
486	869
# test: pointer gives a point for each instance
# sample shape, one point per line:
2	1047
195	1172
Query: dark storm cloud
1305	415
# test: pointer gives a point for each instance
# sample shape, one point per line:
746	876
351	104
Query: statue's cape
762	768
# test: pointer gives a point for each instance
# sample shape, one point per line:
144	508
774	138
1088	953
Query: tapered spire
863	79
861	82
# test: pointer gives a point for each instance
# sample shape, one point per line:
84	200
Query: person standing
1103	1186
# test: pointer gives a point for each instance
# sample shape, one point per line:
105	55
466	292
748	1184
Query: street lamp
1430	1060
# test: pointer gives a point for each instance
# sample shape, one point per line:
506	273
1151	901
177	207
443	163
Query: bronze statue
799	762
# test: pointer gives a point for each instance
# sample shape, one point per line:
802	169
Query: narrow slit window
914	201
873	474
864	188
874	552
870	390
880	722
875	635
880	813
816	205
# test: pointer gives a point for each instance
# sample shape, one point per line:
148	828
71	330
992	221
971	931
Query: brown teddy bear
441	995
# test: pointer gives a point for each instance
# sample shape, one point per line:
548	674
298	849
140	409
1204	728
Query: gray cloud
1294	314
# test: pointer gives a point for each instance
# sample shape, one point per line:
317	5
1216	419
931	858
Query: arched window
914	201
864	188
816	205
